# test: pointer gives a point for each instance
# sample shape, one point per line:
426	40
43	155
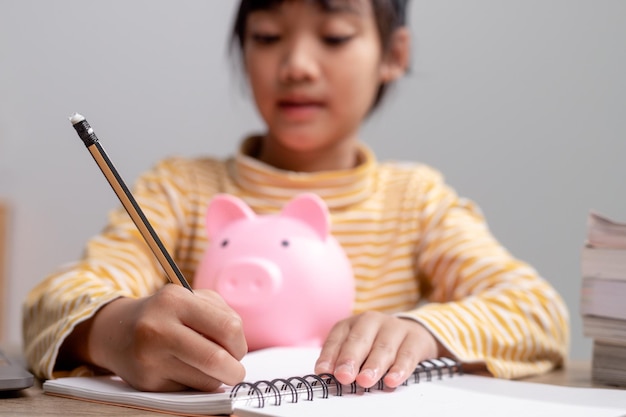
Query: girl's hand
168	341
372	345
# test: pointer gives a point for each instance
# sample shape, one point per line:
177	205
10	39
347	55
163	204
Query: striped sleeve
116	263
485	306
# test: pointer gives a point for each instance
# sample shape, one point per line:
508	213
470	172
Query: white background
521	104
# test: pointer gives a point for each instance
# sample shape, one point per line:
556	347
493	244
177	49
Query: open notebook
438	388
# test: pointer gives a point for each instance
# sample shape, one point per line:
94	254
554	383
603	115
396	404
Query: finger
330	350
382	355
174	375
213	298
406	360
356	346
206	356
151	383
216	322
185	375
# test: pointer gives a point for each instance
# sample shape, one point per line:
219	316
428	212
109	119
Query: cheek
359	76
359	89
260	80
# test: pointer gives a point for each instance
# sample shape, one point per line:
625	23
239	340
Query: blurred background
521	105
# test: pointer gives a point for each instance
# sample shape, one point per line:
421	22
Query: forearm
51	316
63	304
512	332
485	305
91	339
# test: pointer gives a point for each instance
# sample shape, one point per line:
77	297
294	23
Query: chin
300	141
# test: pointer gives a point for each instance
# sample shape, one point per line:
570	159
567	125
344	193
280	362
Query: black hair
388	14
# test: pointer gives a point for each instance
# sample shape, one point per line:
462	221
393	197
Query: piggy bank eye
224	243
285	243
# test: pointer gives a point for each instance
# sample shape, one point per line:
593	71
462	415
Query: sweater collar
275	186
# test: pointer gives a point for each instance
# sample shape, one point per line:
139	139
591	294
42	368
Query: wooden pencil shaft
85	132
136	214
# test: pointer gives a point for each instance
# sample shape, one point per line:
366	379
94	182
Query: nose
300	62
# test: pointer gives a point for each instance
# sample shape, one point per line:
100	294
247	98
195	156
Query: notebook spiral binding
298	386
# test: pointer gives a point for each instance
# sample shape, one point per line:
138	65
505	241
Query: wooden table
33	402
574	374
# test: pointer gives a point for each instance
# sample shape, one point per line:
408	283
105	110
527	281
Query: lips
299	102
300	108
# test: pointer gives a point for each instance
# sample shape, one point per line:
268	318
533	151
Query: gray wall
519	103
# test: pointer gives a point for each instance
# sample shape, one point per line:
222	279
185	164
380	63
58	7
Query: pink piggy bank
285	275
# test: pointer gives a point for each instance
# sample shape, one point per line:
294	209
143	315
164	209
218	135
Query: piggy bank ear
225	209
310	209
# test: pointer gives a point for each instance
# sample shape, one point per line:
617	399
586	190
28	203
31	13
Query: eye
336	40
224	243
285	243
265	38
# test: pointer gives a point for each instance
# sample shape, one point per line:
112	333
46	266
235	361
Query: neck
340	156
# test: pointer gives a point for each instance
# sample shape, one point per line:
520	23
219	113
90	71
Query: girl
431	279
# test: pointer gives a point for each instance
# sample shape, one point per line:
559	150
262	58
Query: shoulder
181	168
423	191
421	185
411	174
190	165
180	175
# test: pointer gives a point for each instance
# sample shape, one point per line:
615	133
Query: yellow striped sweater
417	250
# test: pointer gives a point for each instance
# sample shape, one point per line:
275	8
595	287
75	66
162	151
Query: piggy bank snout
246	281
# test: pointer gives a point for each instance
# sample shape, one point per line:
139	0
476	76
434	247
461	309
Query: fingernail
394	379
345	368
370	374
323	367
393	375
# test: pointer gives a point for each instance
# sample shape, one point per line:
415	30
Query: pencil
89	138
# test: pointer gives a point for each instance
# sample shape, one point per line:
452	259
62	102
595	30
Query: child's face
314	73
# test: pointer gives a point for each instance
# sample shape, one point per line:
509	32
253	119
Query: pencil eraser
76	118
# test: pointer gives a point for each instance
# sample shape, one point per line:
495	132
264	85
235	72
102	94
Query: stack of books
603	297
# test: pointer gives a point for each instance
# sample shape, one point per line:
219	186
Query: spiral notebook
281	384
